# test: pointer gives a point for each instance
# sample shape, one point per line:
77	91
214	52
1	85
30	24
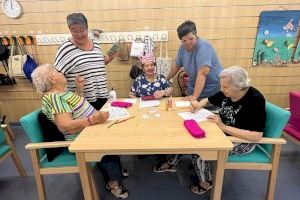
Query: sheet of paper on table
149	103
200	115
116	113
182	104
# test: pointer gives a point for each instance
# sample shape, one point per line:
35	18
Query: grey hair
238	77
41	78
77	18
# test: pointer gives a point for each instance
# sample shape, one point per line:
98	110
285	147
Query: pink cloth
150	97
193	128
147	58
293	126
121	104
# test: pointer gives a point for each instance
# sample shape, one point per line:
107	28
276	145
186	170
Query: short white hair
41	78
238	77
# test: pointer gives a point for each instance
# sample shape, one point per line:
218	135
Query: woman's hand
100	117
79	82
159	94
216	119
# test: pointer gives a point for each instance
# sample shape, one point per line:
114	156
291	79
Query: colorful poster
276	38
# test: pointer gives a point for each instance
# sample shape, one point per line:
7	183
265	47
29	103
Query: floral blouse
141	87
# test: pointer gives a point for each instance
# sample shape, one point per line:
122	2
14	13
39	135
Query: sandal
120	191
165	167
125	173
198	189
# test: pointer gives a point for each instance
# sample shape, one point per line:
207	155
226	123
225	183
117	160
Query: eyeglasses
191	38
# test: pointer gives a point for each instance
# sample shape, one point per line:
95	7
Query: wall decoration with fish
277	37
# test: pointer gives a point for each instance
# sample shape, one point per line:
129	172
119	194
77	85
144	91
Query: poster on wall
276	38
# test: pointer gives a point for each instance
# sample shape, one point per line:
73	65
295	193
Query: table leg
219	175
85	177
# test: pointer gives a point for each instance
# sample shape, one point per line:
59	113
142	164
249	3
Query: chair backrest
295	109
276	120
32	128
2	137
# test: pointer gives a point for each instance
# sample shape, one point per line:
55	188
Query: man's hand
189	98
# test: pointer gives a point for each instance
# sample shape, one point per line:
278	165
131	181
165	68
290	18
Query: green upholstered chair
7	149
266	155
65	162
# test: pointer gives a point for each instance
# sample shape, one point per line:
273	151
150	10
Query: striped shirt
67	102
72	61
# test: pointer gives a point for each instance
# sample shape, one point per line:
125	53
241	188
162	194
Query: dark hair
186	28
77	18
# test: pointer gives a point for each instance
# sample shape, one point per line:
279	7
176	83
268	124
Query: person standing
81	56
199	60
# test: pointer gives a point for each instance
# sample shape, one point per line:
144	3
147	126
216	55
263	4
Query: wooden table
155	135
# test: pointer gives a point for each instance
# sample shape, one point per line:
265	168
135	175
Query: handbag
163	64
137	48
16	59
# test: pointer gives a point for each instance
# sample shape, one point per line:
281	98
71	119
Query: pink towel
194	129
121	104
150	97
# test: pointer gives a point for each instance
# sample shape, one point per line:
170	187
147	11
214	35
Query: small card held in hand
150	97
193	128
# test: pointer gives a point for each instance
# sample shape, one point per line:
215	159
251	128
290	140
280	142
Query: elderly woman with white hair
242	114
71	113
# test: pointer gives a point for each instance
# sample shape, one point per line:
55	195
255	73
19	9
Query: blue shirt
203	54
141	87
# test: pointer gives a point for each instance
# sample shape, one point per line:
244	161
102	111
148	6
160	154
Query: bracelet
89	120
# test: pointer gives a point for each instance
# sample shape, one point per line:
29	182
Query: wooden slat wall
230	25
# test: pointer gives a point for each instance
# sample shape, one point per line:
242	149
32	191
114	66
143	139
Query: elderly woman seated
71	113
149	83
242	114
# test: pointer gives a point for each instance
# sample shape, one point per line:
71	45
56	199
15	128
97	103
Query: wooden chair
65	162
7	149
292	129
266	155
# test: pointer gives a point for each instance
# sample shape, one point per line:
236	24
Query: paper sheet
149	103
116	113
182	104
200	115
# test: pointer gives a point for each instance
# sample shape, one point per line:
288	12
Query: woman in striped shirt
83	56
71	113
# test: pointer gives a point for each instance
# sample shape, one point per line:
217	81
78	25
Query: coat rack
22	39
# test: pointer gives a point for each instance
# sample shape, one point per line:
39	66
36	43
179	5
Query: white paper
182	104
149	103
200	115
116	113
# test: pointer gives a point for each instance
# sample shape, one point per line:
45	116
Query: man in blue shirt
199	60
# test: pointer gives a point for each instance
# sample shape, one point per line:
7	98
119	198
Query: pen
191	103
124	120
112	124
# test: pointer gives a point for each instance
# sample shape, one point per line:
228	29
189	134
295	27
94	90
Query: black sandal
125	173
120	191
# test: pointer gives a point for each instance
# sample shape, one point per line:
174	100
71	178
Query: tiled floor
143	184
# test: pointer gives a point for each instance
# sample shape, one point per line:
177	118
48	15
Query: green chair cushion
256	156
4	149
63	159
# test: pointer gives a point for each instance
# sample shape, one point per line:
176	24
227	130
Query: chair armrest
44	145
263	140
